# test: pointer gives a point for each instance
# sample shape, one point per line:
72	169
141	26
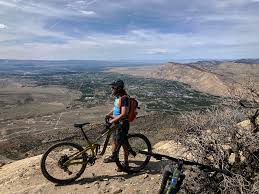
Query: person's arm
117	118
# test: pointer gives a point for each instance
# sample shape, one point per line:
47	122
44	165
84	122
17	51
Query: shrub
214	137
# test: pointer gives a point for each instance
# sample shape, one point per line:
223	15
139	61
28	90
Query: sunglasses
113	87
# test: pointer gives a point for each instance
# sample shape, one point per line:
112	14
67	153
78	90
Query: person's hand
107	117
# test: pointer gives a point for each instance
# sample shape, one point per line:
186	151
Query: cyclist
118	115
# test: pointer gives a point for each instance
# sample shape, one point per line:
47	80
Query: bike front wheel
129	159
167	187
53	163
165	180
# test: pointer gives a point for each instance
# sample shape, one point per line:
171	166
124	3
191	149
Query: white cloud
237	18
156	51
6	37
88	13
3	26
45	9
132	45
8	4
160	29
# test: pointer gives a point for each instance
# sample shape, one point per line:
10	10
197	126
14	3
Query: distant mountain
208	62
214	77
247	61
198	77
47	66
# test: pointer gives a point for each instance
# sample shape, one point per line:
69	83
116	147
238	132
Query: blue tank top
116	107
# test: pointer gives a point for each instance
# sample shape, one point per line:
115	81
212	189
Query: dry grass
213	137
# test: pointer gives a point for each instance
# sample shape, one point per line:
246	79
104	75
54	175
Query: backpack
133	105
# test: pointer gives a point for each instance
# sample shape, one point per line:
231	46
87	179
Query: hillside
198	78
217	78
220	78
24	176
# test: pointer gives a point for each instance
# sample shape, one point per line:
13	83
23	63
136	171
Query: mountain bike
64	162
173	175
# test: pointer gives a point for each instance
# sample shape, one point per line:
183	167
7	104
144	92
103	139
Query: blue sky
129	29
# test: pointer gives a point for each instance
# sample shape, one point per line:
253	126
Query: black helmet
118	83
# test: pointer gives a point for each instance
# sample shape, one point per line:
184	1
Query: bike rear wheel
53	167
136	161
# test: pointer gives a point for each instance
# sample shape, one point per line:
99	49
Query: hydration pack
132	107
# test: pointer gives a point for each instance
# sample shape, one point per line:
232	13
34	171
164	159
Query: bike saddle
80	125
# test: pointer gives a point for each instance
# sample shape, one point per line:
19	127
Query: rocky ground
24	176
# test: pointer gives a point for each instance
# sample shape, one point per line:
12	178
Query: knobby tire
54	179
146	159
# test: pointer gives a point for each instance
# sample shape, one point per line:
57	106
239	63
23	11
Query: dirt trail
24	176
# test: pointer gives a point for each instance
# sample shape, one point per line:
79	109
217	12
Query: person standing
118	115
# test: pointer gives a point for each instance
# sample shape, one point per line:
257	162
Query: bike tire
54	178
133	145
166	187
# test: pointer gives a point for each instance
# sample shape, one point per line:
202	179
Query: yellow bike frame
93	146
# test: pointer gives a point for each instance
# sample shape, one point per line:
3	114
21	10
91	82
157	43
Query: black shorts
120	134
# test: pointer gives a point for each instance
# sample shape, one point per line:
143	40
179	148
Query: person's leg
123	142
126	154
111	158
114	146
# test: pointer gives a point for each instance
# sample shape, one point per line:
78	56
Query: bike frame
177	173
176	178
93	146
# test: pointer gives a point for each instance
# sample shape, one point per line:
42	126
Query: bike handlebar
186	162
107	123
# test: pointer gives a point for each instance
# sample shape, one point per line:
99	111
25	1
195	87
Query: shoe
125	165
109	159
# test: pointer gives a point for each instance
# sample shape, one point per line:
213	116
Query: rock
107	190
146	176
97	184
117	191
231	158
2	164
120	179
